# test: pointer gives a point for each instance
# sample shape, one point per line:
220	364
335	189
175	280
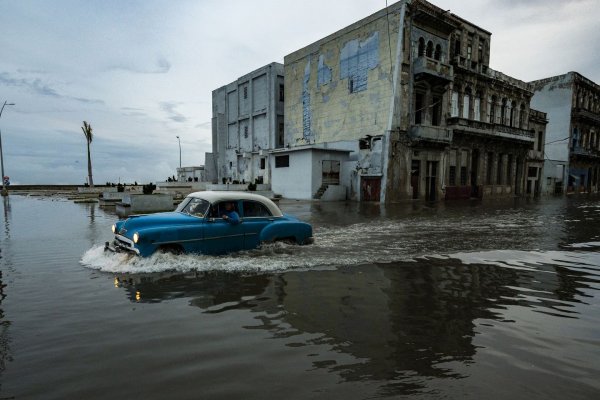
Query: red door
370	187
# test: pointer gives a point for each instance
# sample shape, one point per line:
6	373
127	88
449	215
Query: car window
196	207
255	209
219	209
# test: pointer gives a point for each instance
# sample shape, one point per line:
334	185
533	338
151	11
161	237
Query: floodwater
469	300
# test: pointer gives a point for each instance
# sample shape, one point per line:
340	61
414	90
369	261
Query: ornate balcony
435	134
427	68
490	130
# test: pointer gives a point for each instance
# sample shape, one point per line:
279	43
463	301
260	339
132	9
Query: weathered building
408	90
572	103
247	122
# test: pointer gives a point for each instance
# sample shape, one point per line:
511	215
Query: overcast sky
142	72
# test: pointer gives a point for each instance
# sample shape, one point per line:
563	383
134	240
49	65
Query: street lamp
179	141
4	190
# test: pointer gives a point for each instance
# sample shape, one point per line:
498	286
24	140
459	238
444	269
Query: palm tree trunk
90	180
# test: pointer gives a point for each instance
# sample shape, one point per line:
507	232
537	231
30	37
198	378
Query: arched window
477	107
454	108
513	113
522	120
421	47
466	103
429	51
503	110
438	52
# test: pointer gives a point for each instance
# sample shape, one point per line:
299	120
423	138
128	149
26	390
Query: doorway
415	176
431	181
474	173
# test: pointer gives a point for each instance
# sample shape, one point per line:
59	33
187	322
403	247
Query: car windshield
195	207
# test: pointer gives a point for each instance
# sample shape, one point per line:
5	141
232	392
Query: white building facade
247	122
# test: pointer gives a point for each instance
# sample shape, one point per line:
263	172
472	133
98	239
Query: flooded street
495	300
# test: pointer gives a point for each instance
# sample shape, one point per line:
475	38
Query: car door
256	218
221	236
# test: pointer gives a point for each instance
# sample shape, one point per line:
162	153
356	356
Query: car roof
217	196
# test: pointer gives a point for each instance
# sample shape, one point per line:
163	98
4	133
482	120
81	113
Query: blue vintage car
210	223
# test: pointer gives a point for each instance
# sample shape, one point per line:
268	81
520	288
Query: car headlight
136	237
114	228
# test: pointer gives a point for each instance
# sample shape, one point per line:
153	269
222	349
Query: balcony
434	134
582	152
490	130
428	68
582	113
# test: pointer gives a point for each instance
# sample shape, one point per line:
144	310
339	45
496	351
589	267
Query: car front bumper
121	243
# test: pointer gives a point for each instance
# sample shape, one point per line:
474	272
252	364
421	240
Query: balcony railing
487	129
582	151
431	133
426	66
582	113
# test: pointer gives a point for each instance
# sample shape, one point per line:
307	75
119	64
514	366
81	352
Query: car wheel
171	249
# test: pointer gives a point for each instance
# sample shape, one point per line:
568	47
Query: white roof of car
217	196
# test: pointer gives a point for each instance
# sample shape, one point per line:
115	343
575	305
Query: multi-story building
247	122
572	103
409	94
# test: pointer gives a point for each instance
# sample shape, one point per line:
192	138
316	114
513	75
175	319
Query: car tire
171	249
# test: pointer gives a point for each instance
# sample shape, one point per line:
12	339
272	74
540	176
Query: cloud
169	108
37	86
162	66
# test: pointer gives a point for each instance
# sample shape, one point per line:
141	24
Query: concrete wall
555	98
245	115
339	88
295	181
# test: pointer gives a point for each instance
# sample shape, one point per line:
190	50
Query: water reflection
5	355
6	209
400	323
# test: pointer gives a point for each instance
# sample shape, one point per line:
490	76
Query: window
429	50
436	111
452	176
280	135
245	92
463	176
245	132
419	108
454	110
477	107
254	209
263	163
282	161
281	93
421	47
466	104
438	52
540	142
457	46
509	167
480	52
351	85
469	51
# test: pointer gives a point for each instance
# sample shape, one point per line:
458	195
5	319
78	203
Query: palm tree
87	131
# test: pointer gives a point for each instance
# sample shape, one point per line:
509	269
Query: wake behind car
210	223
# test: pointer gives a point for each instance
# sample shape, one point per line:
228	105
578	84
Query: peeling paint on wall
323	72
306	114
356	59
